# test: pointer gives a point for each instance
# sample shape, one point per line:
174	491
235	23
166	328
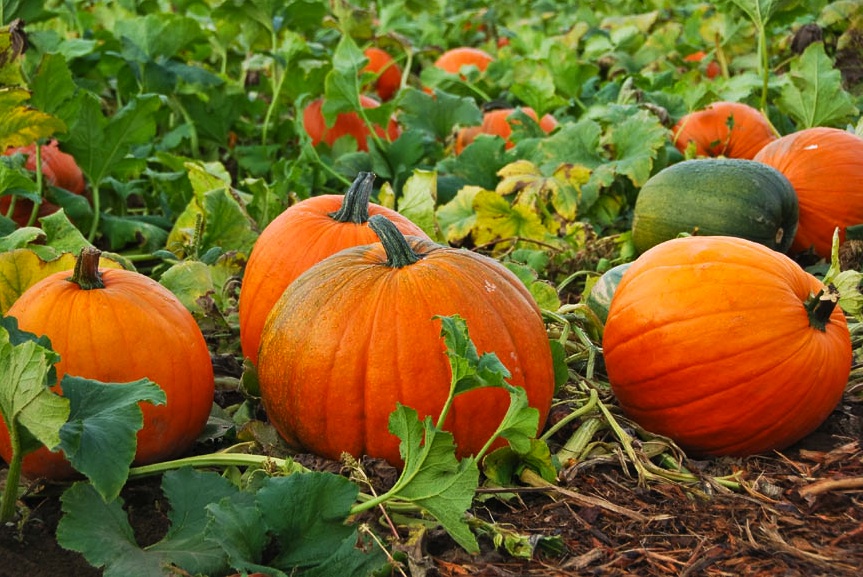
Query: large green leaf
21	125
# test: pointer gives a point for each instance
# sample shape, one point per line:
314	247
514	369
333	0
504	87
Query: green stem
13	476
216	460
588	407
86	274
97	207
819	307
765	70
399	252
280	82
355	205
40	185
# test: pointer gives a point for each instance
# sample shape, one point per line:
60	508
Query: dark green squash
599	298
716	197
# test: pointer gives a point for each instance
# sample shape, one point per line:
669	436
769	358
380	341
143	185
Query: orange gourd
825	167
725	346
59	169
730	129
388	74
497	122
453	59
302	235
346	124
117	325
355	334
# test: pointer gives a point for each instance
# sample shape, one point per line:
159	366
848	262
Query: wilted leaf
497	220
21	125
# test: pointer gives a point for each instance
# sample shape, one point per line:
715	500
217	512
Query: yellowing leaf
21	268
21	125
457	218
498	220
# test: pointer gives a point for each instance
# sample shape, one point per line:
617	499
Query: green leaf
342	85
237	527
189	280
534	85
61	234
21	125
498	220
574	143
417	201
99	438
307	514
54	90
759	11
25	399
101	145
814	96
636	143
156	35
469	370
438	114
432	477
101	532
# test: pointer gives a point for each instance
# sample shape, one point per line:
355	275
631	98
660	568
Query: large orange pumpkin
346	124
730	129
721	344
497	122
59	169
825	166
302	235
355	334
117	325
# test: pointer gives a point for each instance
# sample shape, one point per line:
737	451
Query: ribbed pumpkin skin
295	240
825	166
708	342
131	329
352	337
709	130
716	196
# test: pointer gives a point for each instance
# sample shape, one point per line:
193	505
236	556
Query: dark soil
801	513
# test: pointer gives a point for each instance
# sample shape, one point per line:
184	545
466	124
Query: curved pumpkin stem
819	307
86	274
399	252
355	206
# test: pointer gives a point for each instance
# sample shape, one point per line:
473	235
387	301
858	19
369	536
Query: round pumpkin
725	346
825	166
729	129
346	124
454	59
716	196
497	122
299	237
356	334
59	169
117	326
388	75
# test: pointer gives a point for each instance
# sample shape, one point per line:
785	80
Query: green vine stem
399	252
355	205
13	476
86	273
40	186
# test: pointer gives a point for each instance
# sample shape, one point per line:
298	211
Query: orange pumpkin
730	129
117	325
58	168
453	59
355	334
388	74
497	122
302	235
721	344
711	70
825	167
346	124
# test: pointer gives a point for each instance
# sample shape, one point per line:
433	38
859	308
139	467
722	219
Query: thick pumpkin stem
819	307
355	206
86	274
399	252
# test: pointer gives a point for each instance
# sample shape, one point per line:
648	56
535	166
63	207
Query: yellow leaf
22	268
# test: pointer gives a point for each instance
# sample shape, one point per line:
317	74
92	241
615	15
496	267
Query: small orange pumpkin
388	74
730	129
346	124
302	235
117	326
725	346
355	334
825	167
453	59
497	122
59	169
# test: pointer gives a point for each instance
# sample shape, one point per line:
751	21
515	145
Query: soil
800	513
